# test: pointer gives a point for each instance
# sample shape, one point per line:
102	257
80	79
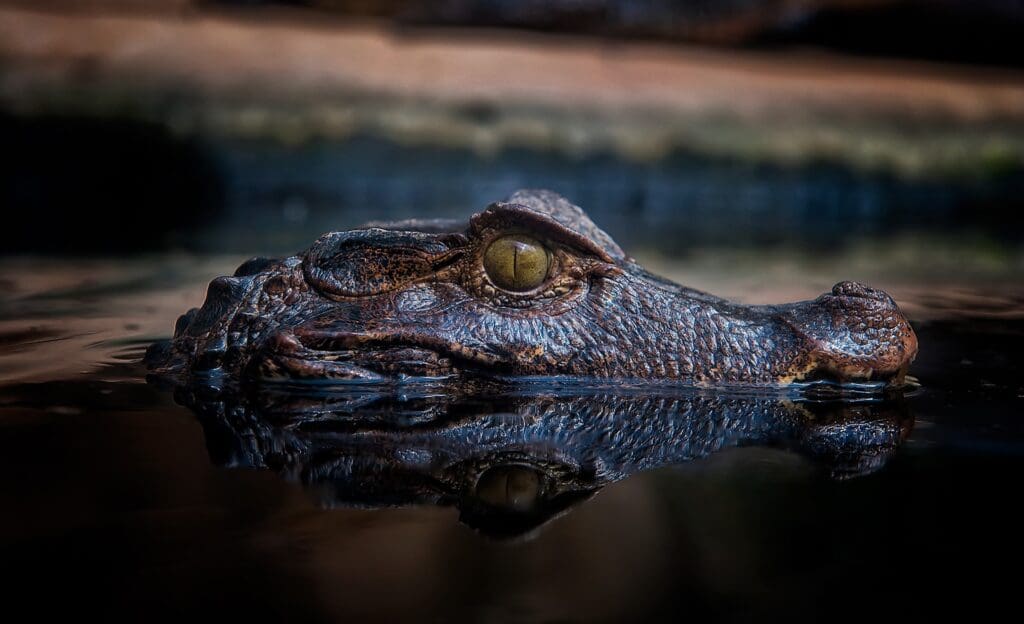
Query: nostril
862	291
853	289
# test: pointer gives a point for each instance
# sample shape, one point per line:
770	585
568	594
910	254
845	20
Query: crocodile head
528	287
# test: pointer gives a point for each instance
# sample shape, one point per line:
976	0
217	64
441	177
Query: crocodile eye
517	262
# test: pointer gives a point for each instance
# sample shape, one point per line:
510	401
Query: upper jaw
851	334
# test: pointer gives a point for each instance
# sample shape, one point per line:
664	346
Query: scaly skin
414	299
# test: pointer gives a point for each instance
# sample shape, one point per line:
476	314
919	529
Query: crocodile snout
857	333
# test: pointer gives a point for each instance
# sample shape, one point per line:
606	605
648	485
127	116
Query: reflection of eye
517	262
513	488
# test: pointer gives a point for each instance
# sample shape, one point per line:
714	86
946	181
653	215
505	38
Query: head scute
550	213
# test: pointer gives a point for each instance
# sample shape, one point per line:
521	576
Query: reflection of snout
853	440
857	334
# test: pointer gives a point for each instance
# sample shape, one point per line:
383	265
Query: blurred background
759	149
886	130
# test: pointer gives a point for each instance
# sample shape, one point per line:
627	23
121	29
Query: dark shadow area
86	185
957	31
981	33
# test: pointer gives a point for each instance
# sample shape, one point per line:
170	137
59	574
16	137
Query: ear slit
448	259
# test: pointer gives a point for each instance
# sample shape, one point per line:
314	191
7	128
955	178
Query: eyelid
509	217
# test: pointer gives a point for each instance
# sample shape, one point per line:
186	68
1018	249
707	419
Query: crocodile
529	287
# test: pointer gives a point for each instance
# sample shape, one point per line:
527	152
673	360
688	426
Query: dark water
135	501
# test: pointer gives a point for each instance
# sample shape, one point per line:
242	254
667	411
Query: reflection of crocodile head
509	461
528	287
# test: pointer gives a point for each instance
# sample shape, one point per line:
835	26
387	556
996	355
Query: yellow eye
517	262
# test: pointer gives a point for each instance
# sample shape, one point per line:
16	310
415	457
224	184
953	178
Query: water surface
121	500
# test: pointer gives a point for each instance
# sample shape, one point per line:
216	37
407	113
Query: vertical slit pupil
516	277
